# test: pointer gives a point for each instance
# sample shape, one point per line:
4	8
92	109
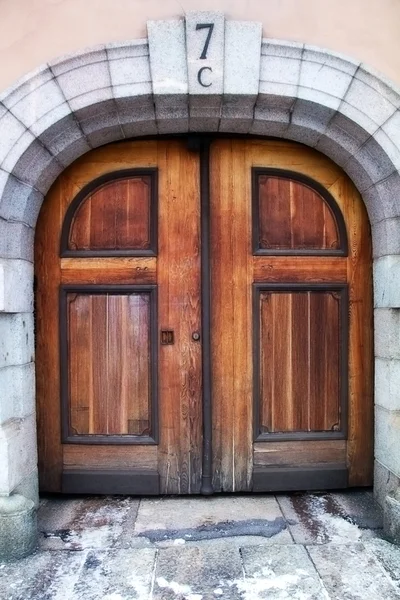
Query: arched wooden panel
115	215
292	214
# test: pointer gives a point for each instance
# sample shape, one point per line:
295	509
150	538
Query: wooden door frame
200	143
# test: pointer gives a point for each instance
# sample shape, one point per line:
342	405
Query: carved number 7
210	27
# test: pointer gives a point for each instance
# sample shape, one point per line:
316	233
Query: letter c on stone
200	74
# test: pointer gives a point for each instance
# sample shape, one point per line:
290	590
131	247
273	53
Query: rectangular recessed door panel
301	354
109	391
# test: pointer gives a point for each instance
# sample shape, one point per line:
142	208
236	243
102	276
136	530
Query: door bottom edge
110	482
285	479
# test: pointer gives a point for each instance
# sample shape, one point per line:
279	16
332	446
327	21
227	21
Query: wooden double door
203	319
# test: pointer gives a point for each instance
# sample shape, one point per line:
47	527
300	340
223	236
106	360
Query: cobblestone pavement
287	547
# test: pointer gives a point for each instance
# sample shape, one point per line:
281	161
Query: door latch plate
167	337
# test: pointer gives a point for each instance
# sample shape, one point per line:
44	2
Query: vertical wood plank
318	361
122	222
80	362
179	311
243	361
231	279
267	360
221	263
79	234
300	360
360	436
99	400
142	373
330	231
307	217
282	366
138	215
274	212
332	333
47	273
137	347
115	367
324	361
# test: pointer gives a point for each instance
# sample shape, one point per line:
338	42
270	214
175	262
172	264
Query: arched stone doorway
150	87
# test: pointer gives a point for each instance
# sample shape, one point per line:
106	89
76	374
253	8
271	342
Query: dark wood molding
109	482
342	290
316	477
66	437
207	454
91	187
315	186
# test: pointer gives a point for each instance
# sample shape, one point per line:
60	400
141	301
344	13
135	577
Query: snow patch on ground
178	589
140	587
329	527
338	529
287	586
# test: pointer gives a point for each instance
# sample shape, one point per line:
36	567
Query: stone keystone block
205	35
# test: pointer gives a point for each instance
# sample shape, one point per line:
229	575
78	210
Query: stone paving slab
116	575
42	576
87	575
171	513
194	573
330	517
197	519
77	524
351	573
280	572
